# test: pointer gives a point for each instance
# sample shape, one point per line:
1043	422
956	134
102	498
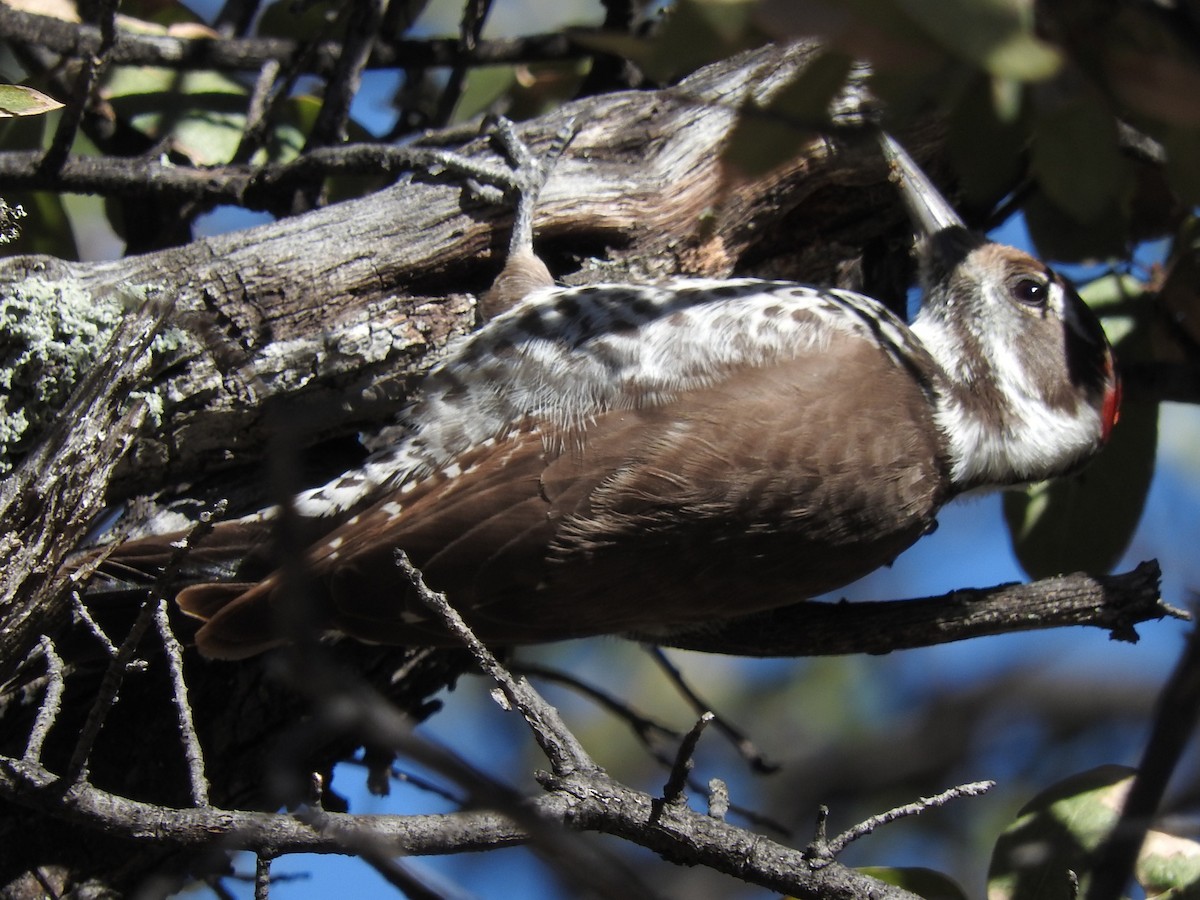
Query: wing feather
772	484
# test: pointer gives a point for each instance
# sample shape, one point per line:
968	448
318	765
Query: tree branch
1114	602
132	49
584	802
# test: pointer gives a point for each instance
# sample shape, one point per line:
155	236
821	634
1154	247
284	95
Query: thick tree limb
588	802
331	314
1115	603
48	503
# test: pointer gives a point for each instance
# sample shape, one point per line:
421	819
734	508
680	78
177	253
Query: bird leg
520	182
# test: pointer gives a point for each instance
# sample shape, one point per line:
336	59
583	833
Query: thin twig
51	703
192	752
262	877
362	25
89	75
248	54
718	799
745	747
235	17
106	696
84	616
561	747
254	132
838	844
643	727
121	662
475	13
673	790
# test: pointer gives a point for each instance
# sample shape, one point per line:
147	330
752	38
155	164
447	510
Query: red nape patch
1110	412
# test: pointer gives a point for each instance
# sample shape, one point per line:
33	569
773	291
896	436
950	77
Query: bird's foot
519	179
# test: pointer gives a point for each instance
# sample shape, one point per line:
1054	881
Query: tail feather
236	627
203	601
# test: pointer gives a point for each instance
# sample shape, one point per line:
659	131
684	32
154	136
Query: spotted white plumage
566	355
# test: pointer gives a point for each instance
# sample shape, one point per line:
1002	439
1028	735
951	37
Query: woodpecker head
1030	387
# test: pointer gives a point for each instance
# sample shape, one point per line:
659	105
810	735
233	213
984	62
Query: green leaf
202	113
1054	834
993	34
1075	157
1168	867
1059	831
764	138
19	100
485	84
927	883
694	33
1084	522
985	150
301	22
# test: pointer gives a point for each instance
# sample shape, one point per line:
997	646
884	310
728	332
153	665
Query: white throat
1018	438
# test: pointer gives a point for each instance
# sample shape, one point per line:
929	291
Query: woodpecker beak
943	239
929	210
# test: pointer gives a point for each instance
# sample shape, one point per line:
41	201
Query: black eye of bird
1030	291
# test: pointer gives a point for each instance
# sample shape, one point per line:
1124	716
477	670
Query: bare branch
565	753
744	746
584	801
254	132
475	13
131	49
192	753
644	728
94	65
80	611
51	702
262	876
673	790
118	667
362	23
839	843
121	663
1113	602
